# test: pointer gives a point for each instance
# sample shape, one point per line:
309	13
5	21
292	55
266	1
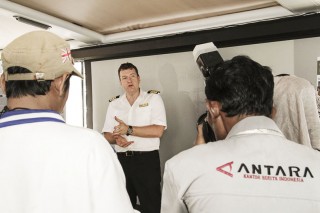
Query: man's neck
27	102
132	97
229	122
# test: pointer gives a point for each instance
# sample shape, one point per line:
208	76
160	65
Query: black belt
133	153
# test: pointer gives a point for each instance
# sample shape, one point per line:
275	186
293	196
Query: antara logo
229	165
268	172
291	171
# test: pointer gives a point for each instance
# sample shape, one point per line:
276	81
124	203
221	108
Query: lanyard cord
4	110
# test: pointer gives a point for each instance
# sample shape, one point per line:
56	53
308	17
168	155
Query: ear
215	119
2	83
59	84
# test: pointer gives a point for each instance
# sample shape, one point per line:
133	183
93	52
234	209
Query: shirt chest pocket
142	116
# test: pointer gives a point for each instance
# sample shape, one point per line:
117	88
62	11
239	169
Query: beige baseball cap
45	54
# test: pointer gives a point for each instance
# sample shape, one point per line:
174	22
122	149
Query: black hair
17	89
126	66
242	86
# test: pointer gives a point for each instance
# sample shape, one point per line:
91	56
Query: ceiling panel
98	22
111	16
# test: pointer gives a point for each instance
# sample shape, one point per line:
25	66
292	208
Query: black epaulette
115	97
153	91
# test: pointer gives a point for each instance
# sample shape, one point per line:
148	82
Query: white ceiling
95	22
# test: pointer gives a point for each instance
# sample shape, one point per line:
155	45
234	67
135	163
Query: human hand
122	142
218	128
216	123
121	128
200	138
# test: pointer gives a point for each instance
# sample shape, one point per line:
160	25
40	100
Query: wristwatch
129	131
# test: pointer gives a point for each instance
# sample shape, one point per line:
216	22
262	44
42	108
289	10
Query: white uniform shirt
297	114
254	170
148	109
47	166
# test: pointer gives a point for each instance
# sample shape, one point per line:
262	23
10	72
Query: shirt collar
141	94
254	123
17	117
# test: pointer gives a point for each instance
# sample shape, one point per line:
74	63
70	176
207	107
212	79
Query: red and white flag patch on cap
66	55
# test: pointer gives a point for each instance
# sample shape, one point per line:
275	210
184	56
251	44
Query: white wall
306	52
279	56
181	84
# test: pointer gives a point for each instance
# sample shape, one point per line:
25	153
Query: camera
207	57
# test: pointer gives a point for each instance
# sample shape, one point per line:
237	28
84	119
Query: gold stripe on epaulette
115	97
154	91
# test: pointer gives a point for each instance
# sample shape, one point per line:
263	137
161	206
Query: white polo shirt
254	170
148	109
47	166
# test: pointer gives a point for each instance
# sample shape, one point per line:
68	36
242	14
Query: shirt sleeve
312	117
109	122
107	180
171	202
158	112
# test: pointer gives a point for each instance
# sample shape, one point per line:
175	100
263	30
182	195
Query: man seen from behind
255	168
47	166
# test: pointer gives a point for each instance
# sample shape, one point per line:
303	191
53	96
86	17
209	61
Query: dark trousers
143	177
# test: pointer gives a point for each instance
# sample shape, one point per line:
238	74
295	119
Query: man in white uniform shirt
255	169
47	166
135	122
